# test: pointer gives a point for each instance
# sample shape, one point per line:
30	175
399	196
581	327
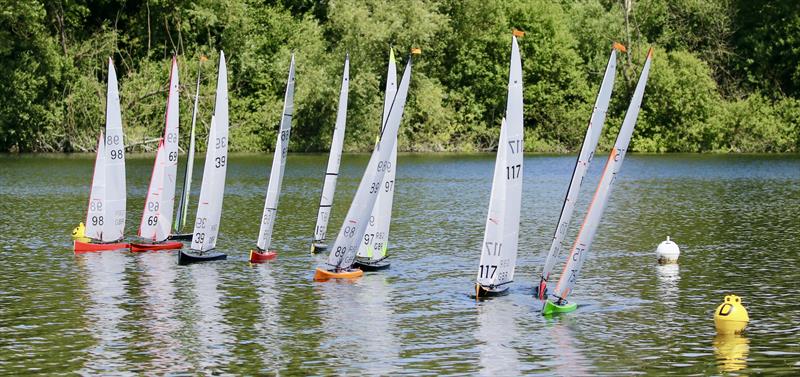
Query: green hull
551	308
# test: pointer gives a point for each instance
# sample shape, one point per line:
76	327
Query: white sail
376	236
334	159
160	201
183	204
105	220
583	242
344	250
593	132
501	235
278	165
209	210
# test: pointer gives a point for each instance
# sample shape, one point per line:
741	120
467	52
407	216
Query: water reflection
159	277
210	325
105	284
268	324
731	351
497	330
357	321
569	359
668	279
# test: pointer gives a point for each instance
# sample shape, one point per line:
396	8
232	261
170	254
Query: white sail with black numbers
376	236
334	159
209	209
105	219
583	242
501	234
345	247
593	132
160	200
278	165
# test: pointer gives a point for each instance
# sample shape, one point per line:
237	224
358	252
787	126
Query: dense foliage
725	75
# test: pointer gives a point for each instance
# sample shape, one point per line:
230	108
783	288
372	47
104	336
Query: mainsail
501	235
105	219
183	203
583	242
278	165
593	132
157	214
209	210
334	159
376	236
344	249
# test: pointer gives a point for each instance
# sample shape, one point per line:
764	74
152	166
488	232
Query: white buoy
668	252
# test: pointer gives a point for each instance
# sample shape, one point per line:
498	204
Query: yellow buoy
79	231
731	317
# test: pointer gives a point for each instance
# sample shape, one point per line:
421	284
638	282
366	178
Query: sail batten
347	242
501	232
160	200
278	165
583	241
105	218
209	209
593	132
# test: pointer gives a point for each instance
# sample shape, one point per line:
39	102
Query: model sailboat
209	210
501	235
105	218
332	171
157	214
593	132
183	203
557	301
340	260
262	252
372	252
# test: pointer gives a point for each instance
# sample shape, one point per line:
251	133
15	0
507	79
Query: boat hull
180	236
323	275
551	308
318	247
91	247
185	258
483	292
139	247
258	256
370	265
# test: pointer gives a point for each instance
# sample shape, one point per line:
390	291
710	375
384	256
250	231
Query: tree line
725	75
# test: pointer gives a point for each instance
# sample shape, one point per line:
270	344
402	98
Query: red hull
139	247
259	257
88	247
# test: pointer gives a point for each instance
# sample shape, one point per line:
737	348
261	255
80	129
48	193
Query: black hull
185	258
367	265
318	247
481	292
180	237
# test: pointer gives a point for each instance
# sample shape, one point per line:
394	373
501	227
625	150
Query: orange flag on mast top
518	33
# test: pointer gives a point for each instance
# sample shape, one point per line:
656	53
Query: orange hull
259	257
323	275
139	247
89	247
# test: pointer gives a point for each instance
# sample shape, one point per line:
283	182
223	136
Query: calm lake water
734	217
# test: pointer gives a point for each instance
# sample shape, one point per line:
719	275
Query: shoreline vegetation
724	79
